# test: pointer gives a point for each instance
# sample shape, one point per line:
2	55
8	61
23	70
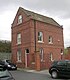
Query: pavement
34	71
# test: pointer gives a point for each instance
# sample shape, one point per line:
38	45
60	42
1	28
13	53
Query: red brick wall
58	43
28	41
67	56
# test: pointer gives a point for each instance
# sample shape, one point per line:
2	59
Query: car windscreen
54	63
8	61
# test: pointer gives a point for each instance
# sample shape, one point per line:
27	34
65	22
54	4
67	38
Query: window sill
50	43
19	61
19	23
18	44
33	63
52	60
40	42
42	60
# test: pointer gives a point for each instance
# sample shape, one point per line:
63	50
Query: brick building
67	55
37	40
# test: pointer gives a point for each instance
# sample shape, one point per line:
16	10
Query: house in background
67	55
37	40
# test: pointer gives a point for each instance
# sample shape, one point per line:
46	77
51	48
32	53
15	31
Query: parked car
7	64
60	69
6	75
2	66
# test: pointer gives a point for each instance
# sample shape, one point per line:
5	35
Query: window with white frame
40	37
41	54
19	55
19	19
19	38
50	40
51	56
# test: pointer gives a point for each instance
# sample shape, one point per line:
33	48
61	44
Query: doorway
26	58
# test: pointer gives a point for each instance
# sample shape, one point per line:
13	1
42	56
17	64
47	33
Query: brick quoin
29	39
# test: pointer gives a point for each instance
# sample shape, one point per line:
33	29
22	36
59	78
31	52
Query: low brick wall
5	56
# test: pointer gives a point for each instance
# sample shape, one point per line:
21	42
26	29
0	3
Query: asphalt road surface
23	75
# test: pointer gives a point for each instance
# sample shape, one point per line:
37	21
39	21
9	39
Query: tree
65	51
5	46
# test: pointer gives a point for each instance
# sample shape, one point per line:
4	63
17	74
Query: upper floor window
19	38
19	55
50	40
40	36
19	19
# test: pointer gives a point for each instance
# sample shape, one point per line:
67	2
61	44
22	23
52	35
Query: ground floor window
41	54
51	56
19	55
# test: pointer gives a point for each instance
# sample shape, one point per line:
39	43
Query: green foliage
5	46
65	51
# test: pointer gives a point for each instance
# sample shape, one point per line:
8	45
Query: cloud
5	25
57	7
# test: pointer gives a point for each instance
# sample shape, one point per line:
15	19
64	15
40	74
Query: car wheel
54	74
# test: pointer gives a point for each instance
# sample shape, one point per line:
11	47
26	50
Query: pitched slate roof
40	17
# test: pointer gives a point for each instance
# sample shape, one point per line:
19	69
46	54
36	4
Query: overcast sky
56	9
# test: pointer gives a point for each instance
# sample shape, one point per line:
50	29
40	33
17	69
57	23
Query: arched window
19	19
50	39
41	54
51	56
19	38
40	37
19	55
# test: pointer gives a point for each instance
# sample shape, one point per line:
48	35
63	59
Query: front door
26	58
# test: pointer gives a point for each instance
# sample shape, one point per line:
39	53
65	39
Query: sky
59	10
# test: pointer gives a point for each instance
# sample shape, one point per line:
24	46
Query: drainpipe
35	34
37	56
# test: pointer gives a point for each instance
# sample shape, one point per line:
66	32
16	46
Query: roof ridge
40	17
35	13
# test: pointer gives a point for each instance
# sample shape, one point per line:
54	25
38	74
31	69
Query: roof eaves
40	17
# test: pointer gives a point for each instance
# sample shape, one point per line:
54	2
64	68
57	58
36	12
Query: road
23	75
